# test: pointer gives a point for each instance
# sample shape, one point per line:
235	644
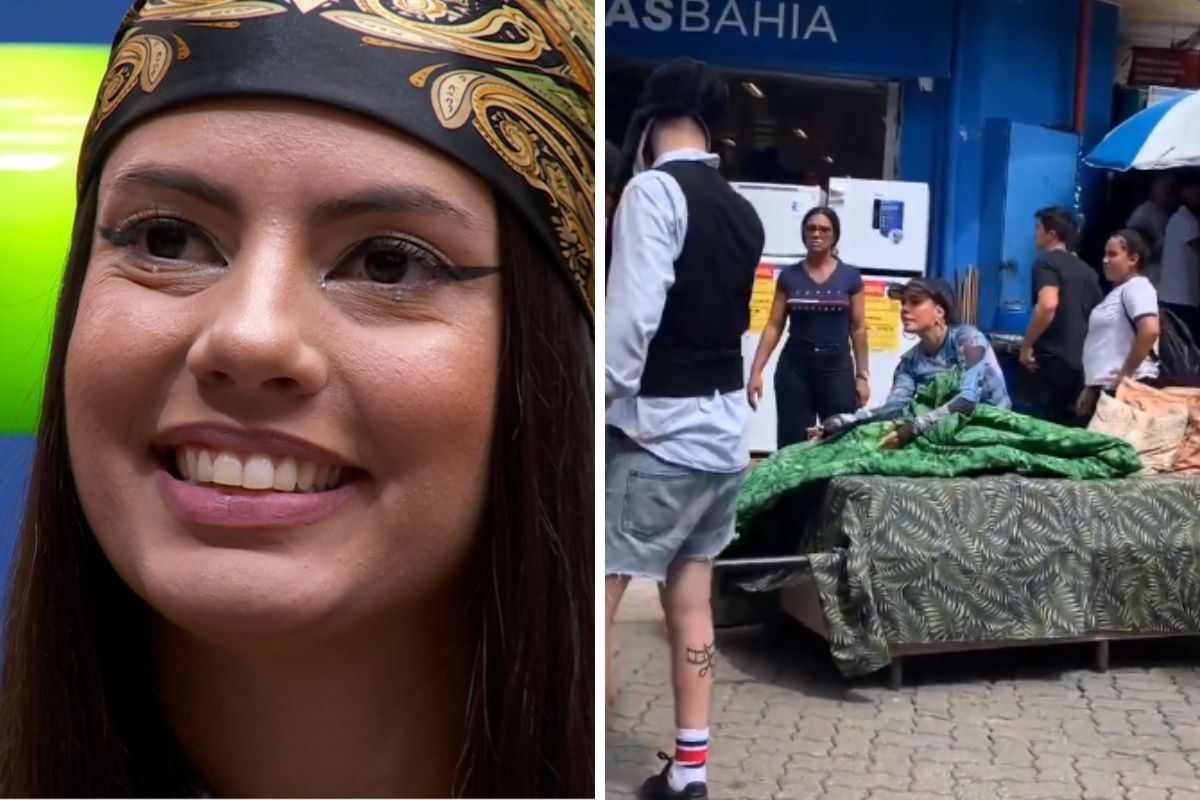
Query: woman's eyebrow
179	180
392	199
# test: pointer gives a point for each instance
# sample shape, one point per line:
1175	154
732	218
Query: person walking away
1124	328
1179	286
1150	220
1065	290
821	301
685	250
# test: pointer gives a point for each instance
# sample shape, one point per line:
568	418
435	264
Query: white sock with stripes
690	764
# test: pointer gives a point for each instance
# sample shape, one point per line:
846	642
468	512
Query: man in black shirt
1065	290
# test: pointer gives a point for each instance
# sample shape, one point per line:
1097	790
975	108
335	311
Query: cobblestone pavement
1032	723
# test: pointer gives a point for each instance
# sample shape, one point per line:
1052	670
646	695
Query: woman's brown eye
166	242
386	266
165	239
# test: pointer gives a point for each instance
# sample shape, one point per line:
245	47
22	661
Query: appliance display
885	234
782	207
885	224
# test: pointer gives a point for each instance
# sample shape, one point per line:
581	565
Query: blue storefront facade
987	110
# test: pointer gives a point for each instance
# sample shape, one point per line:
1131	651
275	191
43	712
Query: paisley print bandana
504	86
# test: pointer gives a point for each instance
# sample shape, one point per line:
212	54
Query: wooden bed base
802	603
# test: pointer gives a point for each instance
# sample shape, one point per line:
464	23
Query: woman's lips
219	507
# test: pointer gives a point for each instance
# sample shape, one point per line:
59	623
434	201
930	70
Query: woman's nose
256	339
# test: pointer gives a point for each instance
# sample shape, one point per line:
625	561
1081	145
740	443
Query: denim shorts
657	514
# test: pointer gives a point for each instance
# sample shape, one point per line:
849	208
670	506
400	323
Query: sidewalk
1018	724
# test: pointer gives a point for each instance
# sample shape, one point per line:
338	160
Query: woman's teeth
254	471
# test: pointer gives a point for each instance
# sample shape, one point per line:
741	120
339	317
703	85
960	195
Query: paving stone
971	739
979	773
1043	790
804	733
932	778
948	756
1173	764
1101	786
742	790
816	792
894	760
1055	768
802	745
1115	763
845	793
1139	793
1142	780
865	780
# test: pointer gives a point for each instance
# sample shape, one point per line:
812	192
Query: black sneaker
657	787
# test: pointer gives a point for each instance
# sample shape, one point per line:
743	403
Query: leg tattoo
705	658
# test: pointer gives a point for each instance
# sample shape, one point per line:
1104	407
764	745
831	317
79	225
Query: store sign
876	38
786	20
1158	66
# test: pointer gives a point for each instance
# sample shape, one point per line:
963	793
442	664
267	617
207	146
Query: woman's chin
252	598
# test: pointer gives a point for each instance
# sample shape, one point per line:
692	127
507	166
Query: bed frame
801	601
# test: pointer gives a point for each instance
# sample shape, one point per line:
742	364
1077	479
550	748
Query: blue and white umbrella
1164	136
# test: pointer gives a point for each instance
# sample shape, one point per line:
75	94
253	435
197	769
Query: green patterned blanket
989	441
999	558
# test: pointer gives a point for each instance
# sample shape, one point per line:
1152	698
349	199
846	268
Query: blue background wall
42	21
73	21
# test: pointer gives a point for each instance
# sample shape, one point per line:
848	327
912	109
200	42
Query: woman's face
278	410
919	313
1119	266
818	233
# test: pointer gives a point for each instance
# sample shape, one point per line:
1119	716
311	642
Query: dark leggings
811	383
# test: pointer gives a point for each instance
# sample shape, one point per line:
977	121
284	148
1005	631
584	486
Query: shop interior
783	128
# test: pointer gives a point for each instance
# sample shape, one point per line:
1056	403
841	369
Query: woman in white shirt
1123	329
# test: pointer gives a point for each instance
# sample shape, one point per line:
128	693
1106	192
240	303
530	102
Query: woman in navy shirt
821	300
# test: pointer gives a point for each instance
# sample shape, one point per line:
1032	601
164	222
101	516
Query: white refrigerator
885	233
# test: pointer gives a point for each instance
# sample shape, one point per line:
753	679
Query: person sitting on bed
928	312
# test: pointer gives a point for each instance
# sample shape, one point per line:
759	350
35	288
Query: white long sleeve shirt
649	227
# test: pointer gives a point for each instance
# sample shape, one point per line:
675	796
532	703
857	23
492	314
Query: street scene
902	399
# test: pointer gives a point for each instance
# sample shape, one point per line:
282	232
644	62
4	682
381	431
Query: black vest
697	350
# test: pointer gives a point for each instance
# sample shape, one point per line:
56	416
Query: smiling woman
318	427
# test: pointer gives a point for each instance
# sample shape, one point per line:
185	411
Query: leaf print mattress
993	526
1000	558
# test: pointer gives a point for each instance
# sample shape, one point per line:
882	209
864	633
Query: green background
46	95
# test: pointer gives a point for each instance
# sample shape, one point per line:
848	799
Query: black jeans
811	383
1055	390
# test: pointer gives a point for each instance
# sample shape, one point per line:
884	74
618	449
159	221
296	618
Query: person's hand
831	425
862	388
754	389
1028	361
898	437
816	433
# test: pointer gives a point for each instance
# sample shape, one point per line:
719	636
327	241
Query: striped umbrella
1164	136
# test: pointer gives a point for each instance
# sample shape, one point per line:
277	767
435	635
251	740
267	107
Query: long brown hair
79	713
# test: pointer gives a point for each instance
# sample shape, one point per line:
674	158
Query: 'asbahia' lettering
753	20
